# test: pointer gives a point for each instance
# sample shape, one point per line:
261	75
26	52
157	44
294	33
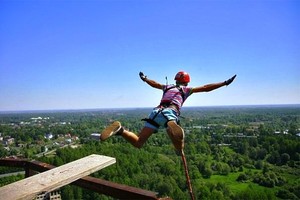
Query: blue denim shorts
162	117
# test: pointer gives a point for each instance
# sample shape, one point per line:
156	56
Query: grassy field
237	187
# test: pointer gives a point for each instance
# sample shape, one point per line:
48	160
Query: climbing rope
187	175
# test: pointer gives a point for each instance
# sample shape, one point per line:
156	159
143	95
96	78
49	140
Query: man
166	113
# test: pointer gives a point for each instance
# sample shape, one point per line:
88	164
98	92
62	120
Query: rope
187	175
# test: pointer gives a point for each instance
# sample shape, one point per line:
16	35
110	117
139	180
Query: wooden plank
55	178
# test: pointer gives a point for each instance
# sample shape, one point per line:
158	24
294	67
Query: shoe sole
110	130
176	134
176	130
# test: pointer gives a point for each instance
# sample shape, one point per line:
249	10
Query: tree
207	171
3	152
164	188
284	158
67	192
285	194
259	164
274	158
242	177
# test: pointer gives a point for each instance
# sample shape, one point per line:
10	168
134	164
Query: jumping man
166	113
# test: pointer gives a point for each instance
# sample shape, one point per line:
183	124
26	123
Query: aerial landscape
233	152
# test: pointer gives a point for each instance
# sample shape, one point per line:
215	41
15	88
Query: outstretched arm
213	86
150	82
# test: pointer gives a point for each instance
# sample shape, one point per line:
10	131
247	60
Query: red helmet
182	77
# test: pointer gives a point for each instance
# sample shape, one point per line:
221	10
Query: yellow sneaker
111	130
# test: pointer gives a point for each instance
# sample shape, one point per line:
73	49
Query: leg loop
151	120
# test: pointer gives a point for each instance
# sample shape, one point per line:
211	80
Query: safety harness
178	87
151	120
163	106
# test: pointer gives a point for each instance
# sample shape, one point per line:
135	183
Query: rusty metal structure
115	190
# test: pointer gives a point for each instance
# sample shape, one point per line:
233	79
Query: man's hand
142	76
229	81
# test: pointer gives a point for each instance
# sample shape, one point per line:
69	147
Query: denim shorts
162	117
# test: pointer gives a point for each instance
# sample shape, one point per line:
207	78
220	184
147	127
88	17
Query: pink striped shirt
173	95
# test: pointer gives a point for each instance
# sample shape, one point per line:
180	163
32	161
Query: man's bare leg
138	140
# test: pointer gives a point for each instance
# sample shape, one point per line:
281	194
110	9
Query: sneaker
176	134
111	130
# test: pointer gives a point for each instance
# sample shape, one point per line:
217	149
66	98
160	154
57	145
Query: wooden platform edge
55	178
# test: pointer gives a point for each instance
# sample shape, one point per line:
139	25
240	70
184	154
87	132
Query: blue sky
87	54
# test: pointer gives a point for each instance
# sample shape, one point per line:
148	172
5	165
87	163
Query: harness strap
151	120
169	105
179	88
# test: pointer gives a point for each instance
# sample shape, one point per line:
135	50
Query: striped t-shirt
174	95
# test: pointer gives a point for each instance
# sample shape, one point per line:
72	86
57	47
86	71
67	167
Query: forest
233	152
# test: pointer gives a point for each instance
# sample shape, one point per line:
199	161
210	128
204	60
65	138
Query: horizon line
129	108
